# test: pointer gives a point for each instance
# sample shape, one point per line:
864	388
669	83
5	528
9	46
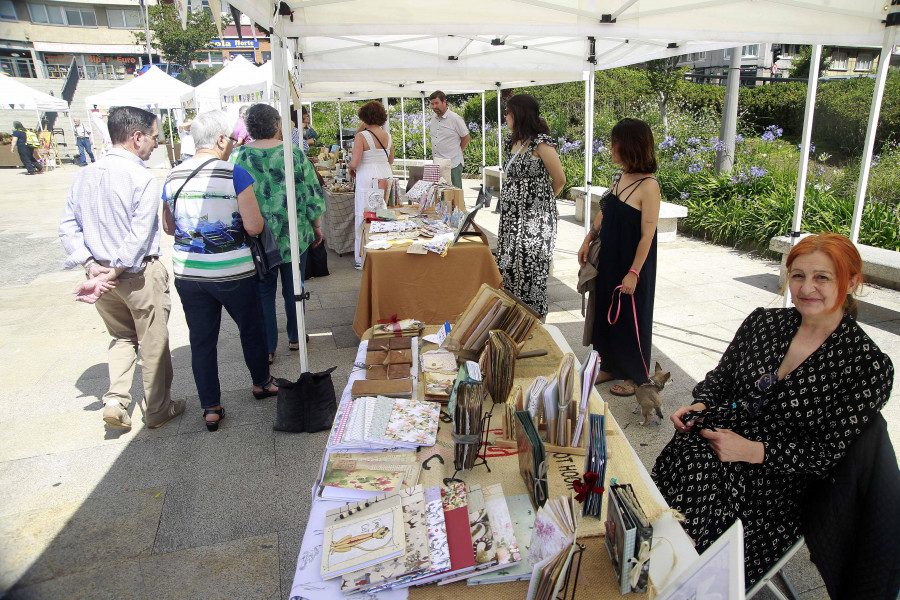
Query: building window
124	18
838	60
17	66
751	51
8	11
864	61
51	14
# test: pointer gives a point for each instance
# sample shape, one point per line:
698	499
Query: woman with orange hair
793	390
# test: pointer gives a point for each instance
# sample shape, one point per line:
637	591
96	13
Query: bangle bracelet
317	227
636	274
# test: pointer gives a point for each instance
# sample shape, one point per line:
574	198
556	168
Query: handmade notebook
491	309
396	388
467	431
438	386
498	365
551	548
414	560
591	492
532	458
362	534
459	535
483	545
629	535
587	375
438	545
522	515
350	479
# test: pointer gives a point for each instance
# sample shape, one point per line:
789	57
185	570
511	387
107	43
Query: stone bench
399	163
668	213
880	266
493	177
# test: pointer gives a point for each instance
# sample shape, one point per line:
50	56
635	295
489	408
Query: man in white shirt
449	136
83	141
110	226
187	141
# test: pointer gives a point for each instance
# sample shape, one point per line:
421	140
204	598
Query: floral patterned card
501	525
369	476
380	409
414	422
415	560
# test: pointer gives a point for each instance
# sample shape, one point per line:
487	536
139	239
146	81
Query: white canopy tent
210	94
260	83
19	96
153	89
376	48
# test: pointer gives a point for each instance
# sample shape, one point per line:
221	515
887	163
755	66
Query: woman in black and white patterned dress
794	388
528	212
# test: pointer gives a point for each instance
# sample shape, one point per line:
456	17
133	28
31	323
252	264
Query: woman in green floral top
264	160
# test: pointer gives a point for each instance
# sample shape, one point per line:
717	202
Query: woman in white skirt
373	154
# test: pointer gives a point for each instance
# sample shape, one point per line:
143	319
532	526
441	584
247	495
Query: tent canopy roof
153	88
237	72
357	47
19	96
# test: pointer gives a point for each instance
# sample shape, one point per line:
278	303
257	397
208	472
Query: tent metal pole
282	85
171	134
866	165
728	129
499	142
424	136
803	169
403	129
483	147
589	134
340	128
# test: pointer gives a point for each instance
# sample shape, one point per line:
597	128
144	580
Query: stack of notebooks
401	328
389	358
361	475
552	546
415	536
498	365
532	458
439	371
491	309
376	422
595	463
587	375
629	536
552	405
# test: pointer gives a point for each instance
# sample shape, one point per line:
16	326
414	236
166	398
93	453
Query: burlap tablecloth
426	287
597	579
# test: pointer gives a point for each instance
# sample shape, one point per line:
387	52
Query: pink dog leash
612	321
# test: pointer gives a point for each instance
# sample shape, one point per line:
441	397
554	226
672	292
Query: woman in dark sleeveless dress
528	214
626	226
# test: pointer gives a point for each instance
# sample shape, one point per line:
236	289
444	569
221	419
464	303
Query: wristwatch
87	267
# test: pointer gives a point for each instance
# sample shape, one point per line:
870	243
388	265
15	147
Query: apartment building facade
42	38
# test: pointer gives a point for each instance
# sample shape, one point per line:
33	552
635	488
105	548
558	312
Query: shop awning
89	48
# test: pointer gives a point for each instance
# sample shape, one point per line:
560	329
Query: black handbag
306	405
316	261
265	252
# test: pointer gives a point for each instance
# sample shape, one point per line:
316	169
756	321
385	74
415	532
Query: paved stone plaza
179	512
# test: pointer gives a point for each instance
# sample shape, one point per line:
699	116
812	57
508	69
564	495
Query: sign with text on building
222	44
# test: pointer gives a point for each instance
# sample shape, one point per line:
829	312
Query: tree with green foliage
179	45
665	79
800	64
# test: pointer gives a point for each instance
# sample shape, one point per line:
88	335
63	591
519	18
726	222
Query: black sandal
267	390
214	425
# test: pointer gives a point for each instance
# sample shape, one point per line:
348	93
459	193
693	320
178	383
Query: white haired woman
210	208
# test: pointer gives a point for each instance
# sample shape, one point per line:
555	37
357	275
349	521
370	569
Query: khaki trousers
136	313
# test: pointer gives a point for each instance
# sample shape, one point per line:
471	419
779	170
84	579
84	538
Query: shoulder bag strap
377	140
194	172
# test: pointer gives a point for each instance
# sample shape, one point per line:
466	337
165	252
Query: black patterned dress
527	233
806	421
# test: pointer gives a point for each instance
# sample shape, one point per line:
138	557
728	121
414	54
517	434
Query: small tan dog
647	395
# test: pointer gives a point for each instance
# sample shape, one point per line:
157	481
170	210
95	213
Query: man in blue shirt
110	226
